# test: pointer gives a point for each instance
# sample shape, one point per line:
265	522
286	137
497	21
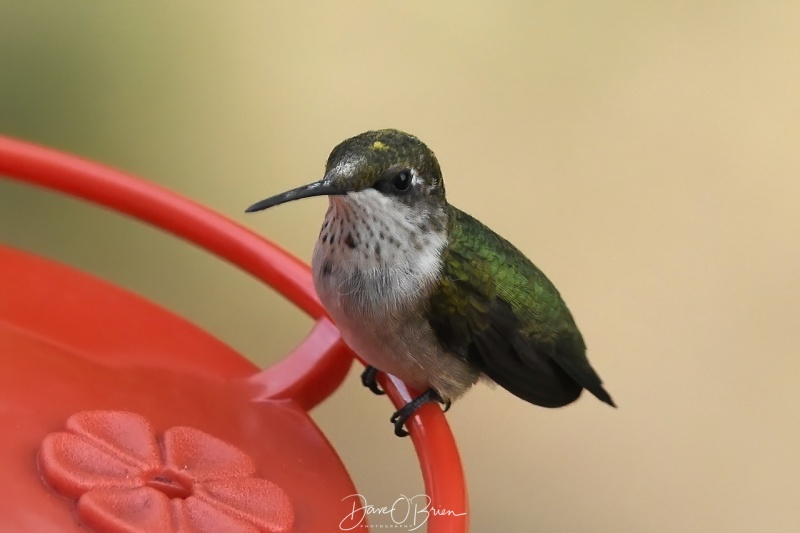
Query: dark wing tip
602	395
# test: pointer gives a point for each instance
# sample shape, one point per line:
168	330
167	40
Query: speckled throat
373	255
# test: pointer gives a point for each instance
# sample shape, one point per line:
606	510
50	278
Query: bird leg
401	415
368	380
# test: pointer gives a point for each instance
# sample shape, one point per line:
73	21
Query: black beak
318	188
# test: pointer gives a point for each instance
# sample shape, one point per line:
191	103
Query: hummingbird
421	290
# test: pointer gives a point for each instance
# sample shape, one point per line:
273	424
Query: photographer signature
410	512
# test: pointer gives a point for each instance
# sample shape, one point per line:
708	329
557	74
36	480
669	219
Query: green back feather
495	309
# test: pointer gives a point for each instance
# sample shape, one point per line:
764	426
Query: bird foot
401	415
368	379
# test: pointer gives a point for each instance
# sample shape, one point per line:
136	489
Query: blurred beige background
645	155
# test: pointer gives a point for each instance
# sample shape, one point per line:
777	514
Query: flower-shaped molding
126	478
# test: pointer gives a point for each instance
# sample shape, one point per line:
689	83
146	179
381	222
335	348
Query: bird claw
404	413
368	379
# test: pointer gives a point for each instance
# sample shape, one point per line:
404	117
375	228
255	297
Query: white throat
373	258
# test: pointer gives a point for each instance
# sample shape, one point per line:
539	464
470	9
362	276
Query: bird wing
496	310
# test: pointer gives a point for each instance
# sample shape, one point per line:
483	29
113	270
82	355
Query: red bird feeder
117	415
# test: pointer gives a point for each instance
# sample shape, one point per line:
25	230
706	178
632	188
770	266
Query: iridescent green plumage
496	310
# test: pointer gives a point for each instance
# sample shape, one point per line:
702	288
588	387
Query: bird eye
402	181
